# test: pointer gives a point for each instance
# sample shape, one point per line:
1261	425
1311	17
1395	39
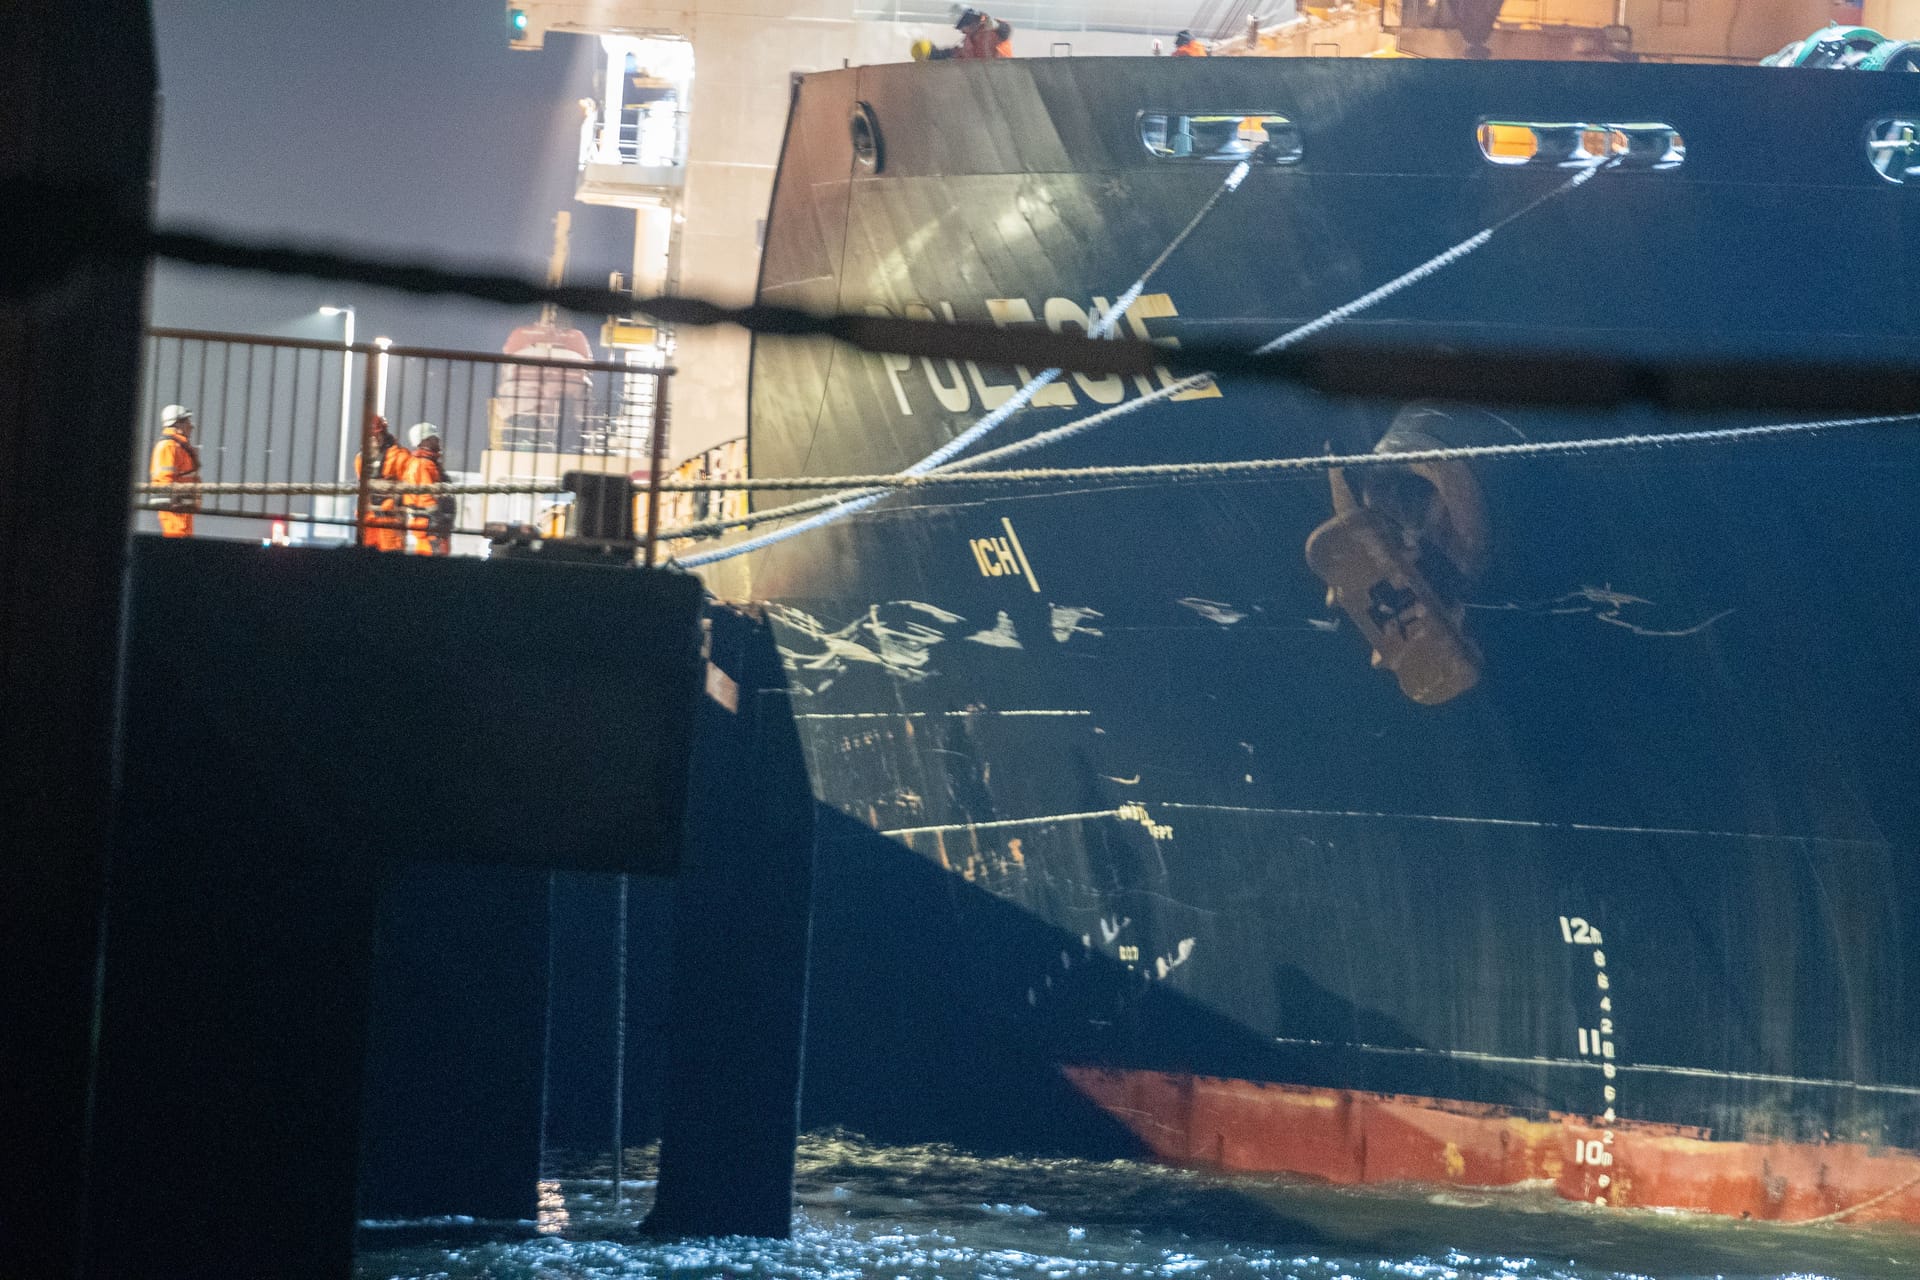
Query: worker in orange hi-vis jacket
982	36
175	461
1002	41
1185	46
431	514
386	527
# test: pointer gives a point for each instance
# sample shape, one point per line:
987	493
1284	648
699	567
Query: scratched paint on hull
1349	1137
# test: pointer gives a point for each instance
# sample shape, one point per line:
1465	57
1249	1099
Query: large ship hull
1143	852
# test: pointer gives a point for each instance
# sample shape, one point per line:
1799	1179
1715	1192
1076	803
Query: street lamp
380	378
346	399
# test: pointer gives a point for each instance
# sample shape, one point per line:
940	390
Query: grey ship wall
1695	726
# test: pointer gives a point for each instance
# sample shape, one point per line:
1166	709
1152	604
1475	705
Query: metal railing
1218	19
644	138
280	423
1146	17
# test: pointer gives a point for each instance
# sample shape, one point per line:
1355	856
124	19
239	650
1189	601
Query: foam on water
871	1212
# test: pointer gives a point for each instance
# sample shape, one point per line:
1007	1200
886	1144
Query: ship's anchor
1380	555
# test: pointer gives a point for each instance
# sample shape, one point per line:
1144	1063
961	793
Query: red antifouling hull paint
1348	1137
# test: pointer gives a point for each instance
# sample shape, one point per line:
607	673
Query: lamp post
346	405
380	377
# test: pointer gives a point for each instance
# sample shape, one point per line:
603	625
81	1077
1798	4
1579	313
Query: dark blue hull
1654	864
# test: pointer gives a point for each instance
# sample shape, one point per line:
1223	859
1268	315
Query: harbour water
869	1211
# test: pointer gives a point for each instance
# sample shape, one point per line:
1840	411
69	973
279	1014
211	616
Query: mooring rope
1176	471
1319	324
852	503
966	475
856	502
1101	328
1438	262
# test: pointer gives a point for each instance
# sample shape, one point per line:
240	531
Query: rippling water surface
875	1211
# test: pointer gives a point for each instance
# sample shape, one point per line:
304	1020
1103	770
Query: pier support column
76	114
457	1044
298	724
740	939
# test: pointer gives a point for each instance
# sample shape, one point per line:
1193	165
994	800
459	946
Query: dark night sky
399	126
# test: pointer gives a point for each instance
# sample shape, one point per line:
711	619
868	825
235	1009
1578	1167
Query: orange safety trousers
385	529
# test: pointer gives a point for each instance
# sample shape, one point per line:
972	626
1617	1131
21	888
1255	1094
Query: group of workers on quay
984	36
427	516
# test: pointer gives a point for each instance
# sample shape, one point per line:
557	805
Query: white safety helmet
173	413
420	431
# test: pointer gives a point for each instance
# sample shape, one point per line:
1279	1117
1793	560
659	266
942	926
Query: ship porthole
865	131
